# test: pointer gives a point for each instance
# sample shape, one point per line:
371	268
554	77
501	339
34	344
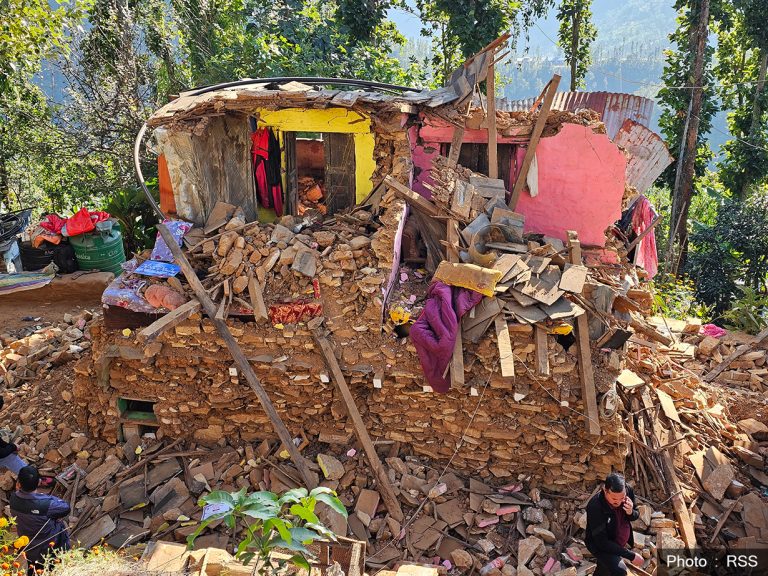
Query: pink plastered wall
581	184
581	178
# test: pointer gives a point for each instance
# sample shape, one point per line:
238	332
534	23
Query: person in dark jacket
38	517
609	531
9	459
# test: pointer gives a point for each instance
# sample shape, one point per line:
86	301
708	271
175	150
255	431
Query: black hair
29	478
615	482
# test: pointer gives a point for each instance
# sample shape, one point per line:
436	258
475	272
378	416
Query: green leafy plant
267	522
137	219
749	313
675	297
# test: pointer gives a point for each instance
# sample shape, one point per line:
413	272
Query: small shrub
265	522
749	313
675	297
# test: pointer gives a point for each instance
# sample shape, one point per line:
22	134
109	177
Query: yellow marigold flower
3	522
20	542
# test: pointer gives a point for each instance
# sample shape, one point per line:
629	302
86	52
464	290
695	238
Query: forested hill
628	55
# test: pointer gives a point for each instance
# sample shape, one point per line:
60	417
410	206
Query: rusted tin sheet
648	155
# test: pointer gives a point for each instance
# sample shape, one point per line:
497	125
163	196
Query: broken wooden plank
530	151
239	357
721	522
457	359
170	320
542	353
493	152
734	355
256	295
685	523
455	151
586	371
385	485
413	198
505	347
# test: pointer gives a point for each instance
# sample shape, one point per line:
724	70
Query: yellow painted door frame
335	120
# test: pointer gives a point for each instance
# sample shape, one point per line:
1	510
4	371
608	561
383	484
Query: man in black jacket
9	459
609	531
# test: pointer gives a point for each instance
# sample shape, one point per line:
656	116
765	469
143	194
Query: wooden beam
542	352
504	343
735	354
493	151
586	371
457	360
243	365
530	152
256	295
413	198
455	151
170	320
386	489
673	486
723	519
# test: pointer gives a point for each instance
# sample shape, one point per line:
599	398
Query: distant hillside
627	56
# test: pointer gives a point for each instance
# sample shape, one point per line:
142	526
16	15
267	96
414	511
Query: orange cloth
167	201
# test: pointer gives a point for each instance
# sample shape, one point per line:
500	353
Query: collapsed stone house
346	267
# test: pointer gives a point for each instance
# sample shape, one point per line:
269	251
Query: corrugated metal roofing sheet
648	155
613	107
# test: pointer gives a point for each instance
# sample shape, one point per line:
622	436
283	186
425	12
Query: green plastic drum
99	251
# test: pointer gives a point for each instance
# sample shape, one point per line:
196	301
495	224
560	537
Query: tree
742	56
460	28
575	37
688	110
30	30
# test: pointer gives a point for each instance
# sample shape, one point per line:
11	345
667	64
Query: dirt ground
71	293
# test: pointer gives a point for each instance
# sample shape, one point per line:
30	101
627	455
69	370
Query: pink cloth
434	333
712	330
642	217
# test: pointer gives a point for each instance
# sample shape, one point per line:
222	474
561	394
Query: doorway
320	172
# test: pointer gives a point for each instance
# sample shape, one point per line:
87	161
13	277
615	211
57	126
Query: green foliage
575	36
265	522
675	297
31	30
460	28
742	48
749	313
674	100
731	254
134	212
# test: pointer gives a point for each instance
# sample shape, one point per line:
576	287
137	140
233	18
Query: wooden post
457	360
385	486
455	151
586	373
538	128
493	154
238	356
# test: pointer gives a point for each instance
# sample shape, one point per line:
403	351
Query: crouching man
609	531
39	517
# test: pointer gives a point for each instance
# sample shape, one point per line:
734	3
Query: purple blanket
434	333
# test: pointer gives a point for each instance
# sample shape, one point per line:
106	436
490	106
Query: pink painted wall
581	183
581	178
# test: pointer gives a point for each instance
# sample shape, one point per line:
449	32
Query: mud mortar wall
187	375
